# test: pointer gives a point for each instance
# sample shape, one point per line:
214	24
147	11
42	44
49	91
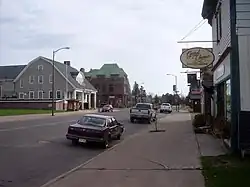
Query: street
33	152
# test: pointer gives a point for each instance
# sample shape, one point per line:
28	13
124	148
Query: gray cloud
140	35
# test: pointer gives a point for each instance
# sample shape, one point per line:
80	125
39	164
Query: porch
87	98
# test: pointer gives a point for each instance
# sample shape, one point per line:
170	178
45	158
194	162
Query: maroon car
95	128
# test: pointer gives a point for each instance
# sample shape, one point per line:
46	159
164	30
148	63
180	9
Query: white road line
34	126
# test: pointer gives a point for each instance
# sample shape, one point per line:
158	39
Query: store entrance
221	100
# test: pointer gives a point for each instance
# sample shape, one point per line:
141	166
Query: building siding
224	43
32	70
7	88
243	32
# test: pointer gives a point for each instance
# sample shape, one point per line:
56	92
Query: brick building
112	85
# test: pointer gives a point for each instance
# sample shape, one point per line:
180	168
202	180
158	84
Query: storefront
222	97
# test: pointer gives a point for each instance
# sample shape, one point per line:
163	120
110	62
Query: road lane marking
34	126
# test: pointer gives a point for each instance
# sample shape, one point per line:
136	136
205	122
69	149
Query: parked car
95	128
107	108
165	107
142	111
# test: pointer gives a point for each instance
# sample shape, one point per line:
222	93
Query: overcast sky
139	35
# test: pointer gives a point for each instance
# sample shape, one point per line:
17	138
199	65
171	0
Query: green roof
107	70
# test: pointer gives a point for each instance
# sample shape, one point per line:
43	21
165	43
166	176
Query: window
219	25
1	91
40	94
110	124
31	79
40	79
50	94
50	78
40	67
115	122
111	88
101	76
31	94
58	94
21	83
228	100
92	121
21	95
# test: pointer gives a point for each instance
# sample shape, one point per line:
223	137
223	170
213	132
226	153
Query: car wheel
118	137
74	142
132	120
105	144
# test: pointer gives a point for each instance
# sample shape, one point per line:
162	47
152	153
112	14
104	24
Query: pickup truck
142	111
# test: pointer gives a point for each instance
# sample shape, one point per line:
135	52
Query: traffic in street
36	151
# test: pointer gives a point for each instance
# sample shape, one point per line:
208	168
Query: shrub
199	120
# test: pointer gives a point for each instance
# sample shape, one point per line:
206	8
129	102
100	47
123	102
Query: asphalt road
33	152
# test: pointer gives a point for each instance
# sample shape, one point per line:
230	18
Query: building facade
112	85
7	76
33	84
231	46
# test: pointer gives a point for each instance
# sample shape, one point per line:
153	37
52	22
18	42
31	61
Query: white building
230	21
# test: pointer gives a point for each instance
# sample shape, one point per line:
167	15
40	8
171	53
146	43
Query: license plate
82	140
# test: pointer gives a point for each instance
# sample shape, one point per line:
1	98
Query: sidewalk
41	116
159	159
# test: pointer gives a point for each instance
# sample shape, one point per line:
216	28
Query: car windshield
143	106
166	104
91	120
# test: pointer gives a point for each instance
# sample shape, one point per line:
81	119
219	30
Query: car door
117	127
112	128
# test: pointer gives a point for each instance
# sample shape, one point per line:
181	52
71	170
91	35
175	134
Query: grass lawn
13	112
226	171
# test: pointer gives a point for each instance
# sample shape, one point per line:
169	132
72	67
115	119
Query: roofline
36	59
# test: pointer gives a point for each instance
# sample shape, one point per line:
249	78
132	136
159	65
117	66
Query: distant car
165	107
107	108
95	128
142	111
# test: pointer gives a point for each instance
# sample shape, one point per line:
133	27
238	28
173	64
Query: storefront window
228	100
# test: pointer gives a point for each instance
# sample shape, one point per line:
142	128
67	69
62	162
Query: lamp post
53	79
175	91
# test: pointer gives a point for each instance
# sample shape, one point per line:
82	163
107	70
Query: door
112	128
117	128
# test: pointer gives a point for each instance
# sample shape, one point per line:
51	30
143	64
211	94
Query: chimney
67	63
82	70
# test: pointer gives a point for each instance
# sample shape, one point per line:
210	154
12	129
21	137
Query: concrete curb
64	175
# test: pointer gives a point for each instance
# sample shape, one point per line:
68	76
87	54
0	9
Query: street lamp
175	91
175	76
53	78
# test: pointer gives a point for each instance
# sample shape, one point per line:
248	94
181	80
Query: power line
194	29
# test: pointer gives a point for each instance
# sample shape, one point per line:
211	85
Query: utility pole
175	90
53	80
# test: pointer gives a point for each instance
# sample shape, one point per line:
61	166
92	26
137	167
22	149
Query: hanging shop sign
197	57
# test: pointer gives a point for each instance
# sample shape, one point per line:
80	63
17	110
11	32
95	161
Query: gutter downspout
235	80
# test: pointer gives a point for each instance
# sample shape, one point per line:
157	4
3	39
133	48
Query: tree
136	91
156	99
